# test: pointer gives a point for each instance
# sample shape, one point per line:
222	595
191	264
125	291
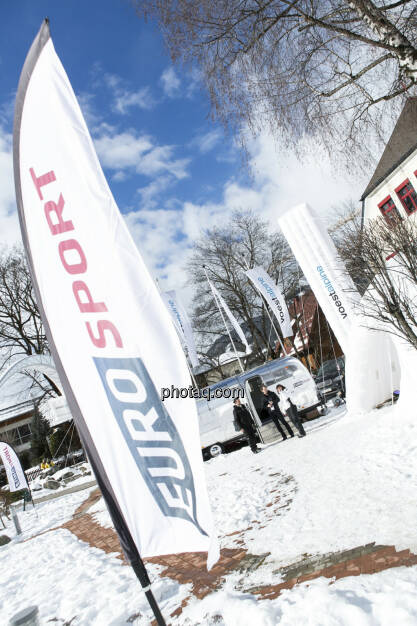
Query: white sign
182	324
110	333
14	472
266	287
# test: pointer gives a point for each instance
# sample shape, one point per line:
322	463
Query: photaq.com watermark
207	393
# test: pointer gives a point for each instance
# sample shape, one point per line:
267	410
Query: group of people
47	463
277	405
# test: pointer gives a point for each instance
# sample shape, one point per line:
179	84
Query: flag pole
224	321
128	544
31	499
190	369
142	575
268	313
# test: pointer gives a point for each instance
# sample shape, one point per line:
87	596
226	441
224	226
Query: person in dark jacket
288	408
243	421
271	405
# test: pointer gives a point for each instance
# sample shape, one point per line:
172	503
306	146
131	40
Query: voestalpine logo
332	293
151	435
175	312
273	297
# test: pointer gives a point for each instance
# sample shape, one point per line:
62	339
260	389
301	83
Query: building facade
392	190
15	425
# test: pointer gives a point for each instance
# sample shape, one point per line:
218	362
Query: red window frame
413	201
394	209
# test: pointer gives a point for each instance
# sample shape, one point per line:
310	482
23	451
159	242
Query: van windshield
281	374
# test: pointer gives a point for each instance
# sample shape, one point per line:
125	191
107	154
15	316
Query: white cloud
125	100
123	150
280	181
207	141
170	82
111	80
157	233
7	110
138	153
283	180
119	176
160	159
149	193
9	225
86	102
194	81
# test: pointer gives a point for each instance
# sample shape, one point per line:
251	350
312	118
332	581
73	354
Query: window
408	196
277	376
24	433
20	435
389	210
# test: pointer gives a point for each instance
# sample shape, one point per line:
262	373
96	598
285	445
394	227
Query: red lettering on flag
61	226
90	306
100	341
72	268
74	264
41	181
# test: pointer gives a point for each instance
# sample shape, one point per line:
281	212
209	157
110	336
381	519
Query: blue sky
172	171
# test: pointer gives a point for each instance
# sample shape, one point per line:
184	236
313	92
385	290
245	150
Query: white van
216	415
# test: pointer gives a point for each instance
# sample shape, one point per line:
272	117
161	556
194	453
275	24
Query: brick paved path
190	568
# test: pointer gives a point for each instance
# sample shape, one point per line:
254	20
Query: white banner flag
110	333
14	472
182	324
267	287
230	315
318	258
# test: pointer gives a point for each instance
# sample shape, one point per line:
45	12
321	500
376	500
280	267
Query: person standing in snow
243	421
289	409
272	407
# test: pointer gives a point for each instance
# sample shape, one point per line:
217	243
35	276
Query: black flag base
142	575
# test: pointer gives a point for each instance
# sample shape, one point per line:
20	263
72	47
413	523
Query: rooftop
17	396
401	144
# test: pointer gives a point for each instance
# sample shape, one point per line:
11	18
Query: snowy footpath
351	482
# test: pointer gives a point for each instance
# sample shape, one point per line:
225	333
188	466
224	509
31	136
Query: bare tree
21	328
226	252
334	69
381	258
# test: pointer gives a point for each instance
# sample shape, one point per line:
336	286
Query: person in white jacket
288	408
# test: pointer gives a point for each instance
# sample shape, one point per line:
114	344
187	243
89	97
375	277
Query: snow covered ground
81	474
44	516
351	481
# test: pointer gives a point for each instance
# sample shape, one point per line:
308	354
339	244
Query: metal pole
267	311
224	321
142	575
31	499
190	369
16	520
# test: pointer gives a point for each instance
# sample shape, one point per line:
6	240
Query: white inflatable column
369	354
321	265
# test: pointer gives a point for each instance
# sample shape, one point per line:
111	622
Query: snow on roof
17	396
